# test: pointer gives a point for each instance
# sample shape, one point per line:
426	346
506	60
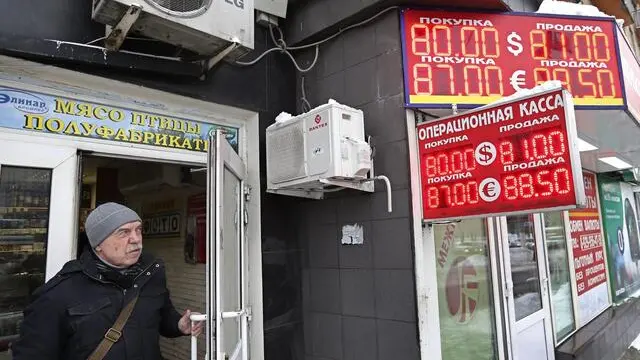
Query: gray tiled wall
359	300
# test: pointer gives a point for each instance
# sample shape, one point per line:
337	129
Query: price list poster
588	254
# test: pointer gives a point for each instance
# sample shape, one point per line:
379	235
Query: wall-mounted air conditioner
206	27
321	148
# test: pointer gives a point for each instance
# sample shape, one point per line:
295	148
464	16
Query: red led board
476	58
631	72
514	157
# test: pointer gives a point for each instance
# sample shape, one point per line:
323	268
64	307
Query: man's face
123	247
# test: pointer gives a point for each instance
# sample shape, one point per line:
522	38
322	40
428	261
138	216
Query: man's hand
185	325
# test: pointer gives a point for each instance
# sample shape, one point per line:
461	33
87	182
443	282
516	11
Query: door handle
233	314
194	340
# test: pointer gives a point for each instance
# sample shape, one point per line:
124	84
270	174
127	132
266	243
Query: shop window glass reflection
560	279
467	326
524	265
24	214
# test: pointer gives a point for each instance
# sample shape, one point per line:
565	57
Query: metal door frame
512	327
221	157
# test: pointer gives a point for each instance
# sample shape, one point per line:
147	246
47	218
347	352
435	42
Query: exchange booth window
24	214
467	327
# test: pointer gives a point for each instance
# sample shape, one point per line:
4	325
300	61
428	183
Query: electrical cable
306	106
281	45
364	22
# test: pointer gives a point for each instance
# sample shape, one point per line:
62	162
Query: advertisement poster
621	236
589	255
464	291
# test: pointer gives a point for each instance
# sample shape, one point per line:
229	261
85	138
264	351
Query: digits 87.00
519	156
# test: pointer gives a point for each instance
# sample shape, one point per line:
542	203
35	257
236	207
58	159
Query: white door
526	300
227	311
37	222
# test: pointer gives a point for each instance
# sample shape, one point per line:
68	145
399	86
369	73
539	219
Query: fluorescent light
615	162
585	146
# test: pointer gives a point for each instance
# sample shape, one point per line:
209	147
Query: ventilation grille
181	7
285	149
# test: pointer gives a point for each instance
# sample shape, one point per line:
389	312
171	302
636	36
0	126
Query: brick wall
359	300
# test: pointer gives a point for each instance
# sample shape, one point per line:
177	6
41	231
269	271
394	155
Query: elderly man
111	303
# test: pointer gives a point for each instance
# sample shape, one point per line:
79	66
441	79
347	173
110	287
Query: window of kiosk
24	217
555	239
465	296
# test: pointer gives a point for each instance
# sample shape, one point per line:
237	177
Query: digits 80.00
534	166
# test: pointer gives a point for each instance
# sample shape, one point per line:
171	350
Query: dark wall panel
359	300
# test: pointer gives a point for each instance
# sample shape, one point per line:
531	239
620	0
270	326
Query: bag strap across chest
114	333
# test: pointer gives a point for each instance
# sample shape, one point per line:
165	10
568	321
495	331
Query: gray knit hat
105	219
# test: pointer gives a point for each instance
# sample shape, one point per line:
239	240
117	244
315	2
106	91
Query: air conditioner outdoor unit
205	27
317	150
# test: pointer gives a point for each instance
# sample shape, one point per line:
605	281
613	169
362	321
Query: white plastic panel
273	7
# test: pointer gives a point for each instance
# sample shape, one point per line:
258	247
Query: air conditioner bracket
210	63
119	32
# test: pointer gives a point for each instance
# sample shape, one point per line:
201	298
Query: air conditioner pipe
388	185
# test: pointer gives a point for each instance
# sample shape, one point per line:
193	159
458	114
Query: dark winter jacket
74	310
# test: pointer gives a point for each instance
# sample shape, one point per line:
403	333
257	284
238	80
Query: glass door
526	287
36	181
227	312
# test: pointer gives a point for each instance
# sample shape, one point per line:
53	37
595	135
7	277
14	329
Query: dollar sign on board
515	44
485	153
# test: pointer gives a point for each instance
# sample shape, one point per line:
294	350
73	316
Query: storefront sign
589	255
161	225
621	236
467	58
631	71
44	113
515	157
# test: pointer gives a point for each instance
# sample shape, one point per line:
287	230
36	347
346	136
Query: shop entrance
171	200
526	287
195	219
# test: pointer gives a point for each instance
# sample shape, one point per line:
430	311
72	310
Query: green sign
621	235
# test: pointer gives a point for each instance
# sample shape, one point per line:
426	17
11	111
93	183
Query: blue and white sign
38	112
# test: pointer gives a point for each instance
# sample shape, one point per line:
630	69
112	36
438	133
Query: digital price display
471	59
515	157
